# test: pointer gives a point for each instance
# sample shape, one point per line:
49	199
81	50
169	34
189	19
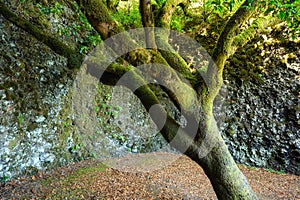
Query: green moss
129	19
275	171
63	187
13	143
90	171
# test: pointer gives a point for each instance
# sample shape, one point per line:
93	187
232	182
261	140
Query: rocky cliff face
33	86
262	125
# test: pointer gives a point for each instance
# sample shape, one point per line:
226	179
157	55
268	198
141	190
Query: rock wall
262	125
39	125
33	84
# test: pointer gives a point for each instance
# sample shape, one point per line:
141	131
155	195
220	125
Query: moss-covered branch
172	57
138	55
74	58
180	138
179	91
163	19
98	16
248	34
164	14
214	77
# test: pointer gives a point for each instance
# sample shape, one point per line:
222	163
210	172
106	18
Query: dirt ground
141	176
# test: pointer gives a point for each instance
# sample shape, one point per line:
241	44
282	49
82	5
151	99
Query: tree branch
74	58
100	19
181	138
220	54
163	19
137	55
180	92
172	57
98	16
148	21
247	35
164	14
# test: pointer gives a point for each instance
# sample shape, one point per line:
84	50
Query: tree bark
220	54
148	21
112	4
248	34
226	178
98	16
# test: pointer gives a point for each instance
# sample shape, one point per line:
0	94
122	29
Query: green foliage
275	171
222	8
129	18
160	2
179	20
76	147
106	114
288	11
21	119
119	137
57	8
177	24
4	179
251	167
90	41
67	124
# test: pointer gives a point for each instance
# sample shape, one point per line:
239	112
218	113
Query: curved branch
220	54
98	16
163	19
74	57
132	79
172	57
256	27
179	91
138	56
100	19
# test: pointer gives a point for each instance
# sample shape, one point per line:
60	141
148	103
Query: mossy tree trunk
148	21
207	147
211	153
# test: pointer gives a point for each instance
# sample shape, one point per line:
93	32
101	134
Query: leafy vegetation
288	11
128	15
57	8
179	21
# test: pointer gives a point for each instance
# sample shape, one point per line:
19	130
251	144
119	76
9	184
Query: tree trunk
148	22
226	178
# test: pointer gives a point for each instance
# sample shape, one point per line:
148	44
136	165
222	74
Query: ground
141	176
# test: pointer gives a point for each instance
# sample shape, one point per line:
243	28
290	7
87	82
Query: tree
195	91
